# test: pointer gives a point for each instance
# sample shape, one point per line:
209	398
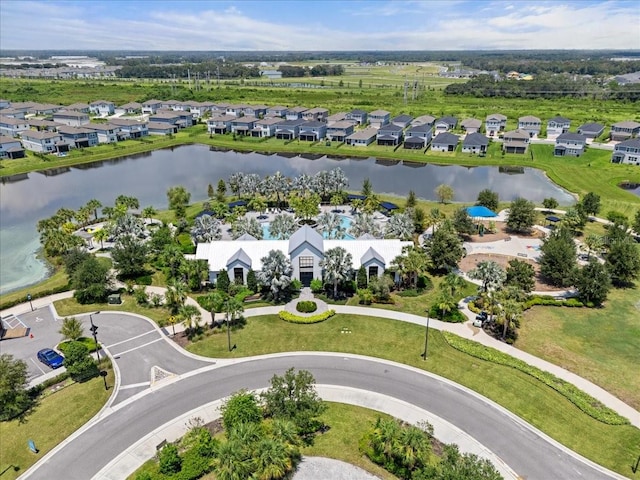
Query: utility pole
189	78
406	85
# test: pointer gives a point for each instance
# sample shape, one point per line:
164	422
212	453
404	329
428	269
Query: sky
310	25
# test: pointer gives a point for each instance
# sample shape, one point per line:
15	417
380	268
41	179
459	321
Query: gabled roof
5	139
357	111
627	124
402	119
423	128
313	124
475	139
423	120
371	254
306	234
591	127
379	113
497	116
341	125
571	137
471	123
517	134
451	121
240	256
633	143
38	135
445	138
101	102
70	113
530	119
390	127
559	119
131	105
298	109
269	121
245	237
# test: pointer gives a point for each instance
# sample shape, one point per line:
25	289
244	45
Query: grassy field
69	306
612	446
54	419
602	345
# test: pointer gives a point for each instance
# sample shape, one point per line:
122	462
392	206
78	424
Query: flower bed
292	318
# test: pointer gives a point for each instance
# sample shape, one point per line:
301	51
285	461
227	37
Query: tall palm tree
94	205
411	264
247	225
453	283
271	459
400	226
510	311
190	316
229	462
206	229
364	223
329	225
594	244
445	304
276	273
282	226
101	235
175	296
492	277
337	265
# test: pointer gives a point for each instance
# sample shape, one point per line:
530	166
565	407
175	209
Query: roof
245	237
341	124
415	140
423	119
390	138
553	218
627	124
67	130
101	102
370	254
151	102
445	138
160	126
277	108
471	123
475	139
336	117
422	128
241	256
237	203
245	119
633	143
559	119
165	114
389	206
591	127
576	137
131	105
124	122
353	196
38	135
497	116
379	113
529	119
70	113
480	211
357	111
298	109
449	120
13	121
402	118
517	135
313	124
269	121
78	106
306	234
390	127
317	110
5	139
365	134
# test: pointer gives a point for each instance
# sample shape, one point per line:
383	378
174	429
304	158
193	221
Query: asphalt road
530	455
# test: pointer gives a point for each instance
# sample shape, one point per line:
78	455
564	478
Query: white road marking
136	348
129	339
135	385
39	319
38	366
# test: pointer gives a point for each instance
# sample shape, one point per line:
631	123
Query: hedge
87	342
43	293
580	399
292	318
306	306
544	300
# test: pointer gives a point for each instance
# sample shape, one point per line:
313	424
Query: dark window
238	275
373	271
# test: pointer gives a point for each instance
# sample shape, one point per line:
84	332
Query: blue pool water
345	223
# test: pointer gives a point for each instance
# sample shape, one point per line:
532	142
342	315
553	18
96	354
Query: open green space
612	446
601	345
55	418
70	306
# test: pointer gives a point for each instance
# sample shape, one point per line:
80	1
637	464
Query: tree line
323	70
205	70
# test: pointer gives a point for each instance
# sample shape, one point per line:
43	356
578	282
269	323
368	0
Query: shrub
424	283
144	280
296	285
365	296
317	286
169	459
89	343
412	292
452	316
580	399
292	318
141	295
306	306
549	301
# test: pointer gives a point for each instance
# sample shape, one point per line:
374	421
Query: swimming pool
345	223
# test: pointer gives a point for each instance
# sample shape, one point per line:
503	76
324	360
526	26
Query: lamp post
30	303
426	338
94	331
228	326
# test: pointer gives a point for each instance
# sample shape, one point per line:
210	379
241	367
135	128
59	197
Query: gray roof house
557	126
277	111
494	124
359	116
516	141
130	128
471	125
78	107
313	131
444	124
266	127
418	136
10	147
295	113
339	131
162	128
378	118
78	137
624	130
107	132
102	107
627	152
530	124
257	111
316	114
151	106
12	127
362	138
338	117
177	118
43	142
570	145
475	143
402	120
130	108
423	120
37	124
444	142
71	118
243	125
289	129
219	124
389	134
591	130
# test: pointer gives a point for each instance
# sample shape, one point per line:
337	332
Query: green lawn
602	345
57	417
612	446
57	280
69	306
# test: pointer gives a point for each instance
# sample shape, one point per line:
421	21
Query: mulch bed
501	234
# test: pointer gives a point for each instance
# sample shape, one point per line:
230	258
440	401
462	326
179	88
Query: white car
477	322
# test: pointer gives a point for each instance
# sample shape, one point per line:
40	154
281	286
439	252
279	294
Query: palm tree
176	296
453	283
400	226
445	304
364	223
411	264
101	235
271	459
338	180
230	463
282	226
246	225
490	274
337	265
594	244
414	447
93	205
329	225
190	316
206	229
510	311
434	218
276	273
385	436
129	225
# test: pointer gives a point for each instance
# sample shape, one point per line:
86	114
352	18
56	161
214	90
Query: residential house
219	124
13	113
313	131
418	136
516	141
379	118
305	250
12	127
151	106
289	129
627	152
445	124
530	124
475	142
130	108
72	119
219	108
471	125
423	120
78	137
402	120
130	128
277	111
339	131
173	105
243	125
45	108
494	124
177	118
359	116
338	117
235	110
48	125
42	142
102	108
624	130
390	135
570	145
444	142
266	127
106	132
295	113
26	107
78	107
10	148
557	126
161	128
257	111
591	130
316	114
4	103
362	138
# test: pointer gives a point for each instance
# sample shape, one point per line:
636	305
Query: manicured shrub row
306	306
43	293
580	399
552	302
291	318
87	342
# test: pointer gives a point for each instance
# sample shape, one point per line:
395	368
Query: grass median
614	447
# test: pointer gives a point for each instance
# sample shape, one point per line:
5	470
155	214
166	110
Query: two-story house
530	124
151	106
516	141
130	108
318	114
402	120
131	128
107	132
10	148
161	128
339	131
12	127
338	117
71	118
289	129
257	111
266	127
277	111
570	145
243	125
445	142
358	116
494	124
591	130
219	124
177	118
627	152
379	118
78	137
557	126
471	125
362	138
312	131
445	124
13	113
622	131
41	142
475	142
418	136
295	113
389	135
423	120
78	107
102	108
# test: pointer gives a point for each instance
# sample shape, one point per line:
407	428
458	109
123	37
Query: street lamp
426	338
29	298
94	331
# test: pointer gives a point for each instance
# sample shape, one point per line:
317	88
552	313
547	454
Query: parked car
50	358
477	322
482	316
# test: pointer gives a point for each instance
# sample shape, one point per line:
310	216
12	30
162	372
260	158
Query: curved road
522	448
